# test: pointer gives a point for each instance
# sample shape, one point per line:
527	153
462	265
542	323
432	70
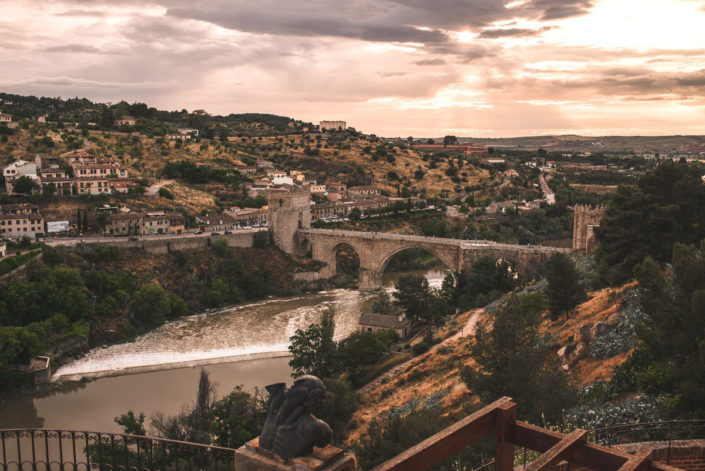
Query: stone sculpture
290	430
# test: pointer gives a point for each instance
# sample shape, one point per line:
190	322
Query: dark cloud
75	48
430	62
418	21
512	32
273	17
83	13
693	79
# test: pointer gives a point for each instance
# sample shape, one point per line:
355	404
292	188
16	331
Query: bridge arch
384	261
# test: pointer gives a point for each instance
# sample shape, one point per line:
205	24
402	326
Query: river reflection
166	363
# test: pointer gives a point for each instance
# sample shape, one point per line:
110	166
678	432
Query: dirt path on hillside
466	330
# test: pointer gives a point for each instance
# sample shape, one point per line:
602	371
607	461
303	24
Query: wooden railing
500	417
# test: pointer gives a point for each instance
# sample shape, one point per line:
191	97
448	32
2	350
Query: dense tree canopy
666	206
674	330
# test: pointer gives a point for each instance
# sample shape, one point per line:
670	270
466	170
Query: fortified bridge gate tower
290	223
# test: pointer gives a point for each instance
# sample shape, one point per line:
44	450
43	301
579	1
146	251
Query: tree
564	290
381	304
201	411
355	214
84	224
450	140
260	239
413	295
360	349
313	350
337	407
512	360
150	305
24	185
78	220
49	190
17	346
666	206
673	332
385	439
131	424
237	418
103	219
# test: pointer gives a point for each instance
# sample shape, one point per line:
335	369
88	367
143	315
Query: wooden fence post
504	437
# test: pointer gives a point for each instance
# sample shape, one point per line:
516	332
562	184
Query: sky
481	68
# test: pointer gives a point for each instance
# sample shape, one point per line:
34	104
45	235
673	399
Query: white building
333	125
285	180
5	118
17	169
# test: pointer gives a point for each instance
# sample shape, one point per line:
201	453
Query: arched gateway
290	222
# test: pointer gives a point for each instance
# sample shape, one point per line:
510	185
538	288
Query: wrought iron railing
67	450
664	431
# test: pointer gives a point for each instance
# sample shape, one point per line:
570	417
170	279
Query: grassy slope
437	370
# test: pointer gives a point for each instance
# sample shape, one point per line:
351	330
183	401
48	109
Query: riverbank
75	299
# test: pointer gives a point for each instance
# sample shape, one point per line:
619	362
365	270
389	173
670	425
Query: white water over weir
245	332
251	331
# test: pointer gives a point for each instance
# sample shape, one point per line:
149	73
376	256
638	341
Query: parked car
198	232
227	232
215	233
133	238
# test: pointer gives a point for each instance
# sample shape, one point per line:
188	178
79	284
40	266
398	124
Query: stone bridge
290	223
375	249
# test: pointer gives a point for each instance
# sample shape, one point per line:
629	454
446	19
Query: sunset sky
483	68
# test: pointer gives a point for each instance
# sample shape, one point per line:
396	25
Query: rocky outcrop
575	351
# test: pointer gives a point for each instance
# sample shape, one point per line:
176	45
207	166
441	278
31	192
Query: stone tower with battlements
585	220
289	210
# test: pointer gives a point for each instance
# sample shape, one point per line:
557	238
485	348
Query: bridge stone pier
290	217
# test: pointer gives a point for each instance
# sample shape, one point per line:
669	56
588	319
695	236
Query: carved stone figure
290	429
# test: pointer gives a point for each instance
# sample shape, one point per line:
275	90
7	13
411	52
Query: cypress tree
564	290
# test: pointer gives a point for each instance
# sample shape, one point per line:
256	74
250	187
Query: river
242	345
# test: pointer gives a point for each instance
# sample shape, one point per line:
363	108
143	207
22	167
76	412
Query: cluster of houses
339	198
18	220
91	175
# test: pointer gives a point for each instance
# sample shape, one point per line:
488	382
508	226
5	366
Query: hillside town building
373	322
366	190
17	169
5	118
126	121
135	223
332	125
18	220
91	175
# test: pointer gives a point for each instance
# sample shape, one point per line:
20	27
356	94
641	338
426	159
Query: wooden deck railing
500	417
